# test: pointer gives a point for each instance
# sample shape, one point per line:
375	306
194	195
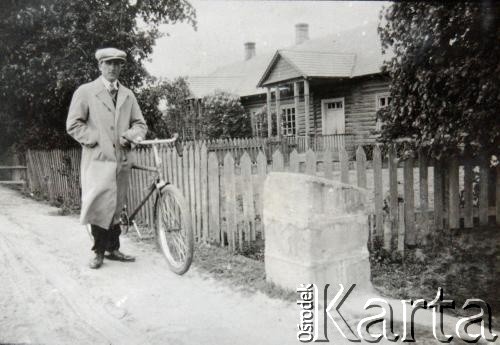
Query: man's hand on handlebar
126	143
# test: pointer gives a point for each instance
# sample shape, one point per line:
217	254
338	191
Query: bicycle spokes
172	223
174	230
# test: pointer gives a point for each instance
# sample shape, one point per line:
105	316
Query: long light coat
105	167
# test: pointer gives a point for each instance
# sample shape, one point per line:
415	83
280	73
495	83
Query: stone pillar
316	232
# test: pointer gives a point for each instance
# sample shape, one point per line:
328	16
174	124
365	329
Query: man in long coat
104	118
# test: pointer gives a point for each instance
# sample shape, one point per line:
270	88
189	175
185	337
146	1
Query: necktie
113	92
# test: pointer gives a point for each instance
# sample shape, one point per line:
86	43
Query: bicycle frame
157	184
151	190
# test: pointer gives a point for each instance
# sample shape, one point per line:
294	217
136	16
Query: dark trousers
106	240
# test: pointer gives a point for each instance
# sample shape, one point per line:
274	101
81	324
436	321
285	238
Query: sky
224	27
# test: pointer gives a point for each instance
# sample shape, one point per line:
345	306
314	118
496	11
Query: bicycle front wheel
173	229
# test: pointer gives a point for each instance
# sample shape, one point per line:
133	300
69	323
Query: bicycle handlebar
157	141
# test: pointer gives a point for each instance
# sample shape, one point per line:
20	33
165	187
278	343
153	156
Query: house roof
310	64
201	86
363	41
350	54
248	71
240	78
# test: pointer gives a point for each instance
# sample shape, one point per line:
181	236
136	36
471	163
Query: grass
464	263
244	272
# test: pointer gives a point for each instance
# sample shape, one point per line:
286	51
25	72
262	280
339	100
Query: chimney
301	33
249	50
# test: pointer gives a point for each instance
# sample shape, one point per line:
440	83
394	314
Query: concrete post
316	232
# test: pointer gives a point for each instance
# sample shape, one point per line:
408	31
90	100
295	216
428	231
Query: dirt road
48	295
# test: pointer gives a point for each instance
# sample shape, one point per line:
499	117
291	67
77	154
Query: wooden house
328	87
323	89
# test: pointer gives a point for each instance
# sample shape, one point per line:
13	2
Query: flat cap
106	54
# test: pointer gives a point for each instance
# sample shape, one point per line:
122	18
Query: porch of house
321	113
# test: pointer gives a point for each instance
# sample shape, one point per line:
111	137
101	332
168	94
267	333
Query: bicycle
172	220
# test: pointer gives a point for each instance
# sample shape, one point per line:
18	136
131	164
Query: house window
286	91
335	105
383	100
288	121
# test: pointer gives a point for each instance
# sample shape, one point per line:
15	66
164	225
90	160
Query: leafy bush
224	117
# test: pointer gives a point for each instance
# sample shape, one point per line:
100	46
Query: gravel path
48	295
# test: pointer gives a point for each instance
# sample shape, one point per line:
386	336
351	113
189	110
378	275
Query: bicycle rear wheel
173	229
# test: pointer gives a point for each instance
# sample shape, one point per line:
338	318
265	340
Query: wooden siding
282	71
300	118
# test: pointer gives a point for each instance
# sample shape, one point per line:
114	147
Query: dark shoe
119	256
96	262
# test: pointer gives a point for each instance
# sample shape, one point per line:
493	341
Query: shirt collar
108	84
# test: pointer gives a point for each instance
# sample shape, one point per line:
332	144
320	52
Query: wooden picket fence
55	174
12	170
286	145
410	199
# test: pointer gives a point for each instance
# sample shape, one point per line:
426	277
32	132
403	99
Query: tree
224	117
445	74
150	97
47	50
178	115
